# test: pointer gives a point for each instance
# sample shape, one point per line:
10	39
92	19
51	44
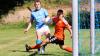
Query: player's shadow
18	51
36	53
64	53
67	54
33	53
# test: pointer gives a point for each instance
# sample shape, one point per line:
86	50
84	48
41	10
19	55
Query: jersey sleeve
32	17
66	23
54	18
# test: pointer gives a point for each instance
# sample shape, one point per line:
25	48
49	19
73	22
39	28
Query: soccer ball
47	20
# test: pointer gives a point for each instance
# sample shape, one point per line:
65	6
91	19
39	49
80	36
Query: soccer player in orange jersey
60	25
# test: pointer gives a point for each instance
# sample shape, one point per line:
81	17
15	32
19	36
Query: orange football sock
69	49
35	46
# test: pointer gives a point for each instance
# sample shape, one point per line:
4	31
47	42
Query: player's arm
69	28
52	19
29	25
30	21
47	16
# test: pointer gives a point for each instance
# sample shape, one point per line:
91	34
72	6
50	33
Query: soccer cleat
27	48
43	49
39	52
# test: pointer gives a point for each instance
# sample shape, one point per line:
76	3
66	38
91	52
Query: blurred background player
38	15
60	25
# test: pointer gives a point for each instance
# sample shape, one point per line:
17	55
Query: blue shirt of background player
38	16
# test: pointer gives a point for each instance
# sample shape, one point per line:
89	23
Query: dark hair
60	11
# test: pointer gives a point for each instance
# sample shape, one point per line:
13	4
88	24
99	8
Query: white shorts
43	30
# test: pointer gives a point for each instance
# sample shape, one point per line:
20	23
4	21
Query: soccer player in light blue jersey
38	15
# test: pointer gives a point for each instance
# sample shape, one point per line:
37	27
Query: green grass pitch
13	40
12	43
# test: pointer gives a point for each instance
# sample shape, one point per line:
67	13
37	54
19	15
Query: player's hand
25	31
61	16
71	35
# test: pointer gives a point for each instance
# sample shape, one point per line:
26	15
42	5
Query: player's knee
48	35
47	32
38	41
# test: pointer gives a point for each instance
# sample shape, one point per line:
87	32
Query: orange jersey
59	28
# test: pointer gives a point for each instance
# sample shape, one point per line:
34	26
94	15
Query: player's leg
46	31
44	42
66	48
39	36
32	47
38	41
39	33
44	45
37	46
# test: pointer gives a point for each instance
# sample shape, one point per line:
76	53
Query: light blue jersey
38	16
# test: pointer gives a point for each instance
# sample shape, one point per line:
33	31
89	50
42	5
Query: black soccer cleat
27	48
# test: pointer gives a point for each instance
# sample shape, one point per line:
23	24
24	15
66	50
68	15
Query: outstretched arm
69	29
29	25
68	26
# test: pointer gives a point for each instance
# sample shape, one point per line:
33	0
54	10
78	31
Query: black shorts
54	40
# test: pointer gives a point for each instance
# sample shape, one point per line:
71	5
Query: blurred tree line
84	19
6	5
